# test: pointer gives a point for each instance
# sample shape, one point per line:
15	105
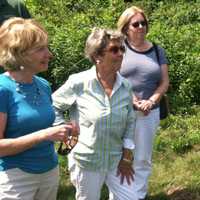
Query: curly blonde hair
17	37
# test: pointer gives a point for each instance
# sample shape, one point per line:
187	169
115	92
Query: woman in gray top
149	79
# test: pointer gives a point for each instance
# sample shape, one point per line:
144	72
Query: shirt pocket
86	124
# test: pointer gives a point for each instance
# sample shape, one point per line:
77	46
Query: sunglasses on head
139	23
116	49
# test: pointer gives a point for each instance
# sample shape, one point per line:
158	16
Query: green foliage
179	133
173	24
176	162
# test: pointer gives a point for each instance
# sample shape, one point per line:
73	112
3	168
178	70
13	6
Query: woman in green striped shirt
100	100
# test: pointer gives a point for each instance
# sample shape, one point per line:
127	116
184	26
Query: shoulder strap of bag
19	9
157	53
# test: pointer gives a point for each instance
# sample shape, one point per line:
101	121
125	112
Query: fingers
125	171
145	106
57	133
73	128
62	132
128	176
122	179
119	173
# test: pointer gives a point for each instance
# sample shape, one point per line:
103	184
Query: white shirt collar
118	81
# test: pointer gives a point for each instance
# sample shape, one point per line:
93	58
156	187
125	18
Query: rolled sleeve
63	98
128	139
128	144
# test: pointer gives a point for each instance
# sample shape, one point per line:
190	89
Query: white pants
88	185
146	127
16	184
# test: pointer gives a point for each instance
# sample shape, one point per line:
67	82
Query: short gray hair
98	40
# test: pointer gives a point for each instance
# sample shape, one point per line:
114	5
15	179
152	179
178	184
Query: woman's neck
21	76
140	45
107	80
106	76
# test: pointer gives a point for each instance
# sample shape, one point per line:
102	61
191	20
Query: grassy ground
176	162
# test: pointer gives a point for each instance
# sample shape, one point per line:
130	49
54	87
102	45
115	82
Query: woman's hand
136	102
74	128
13	146
62	132
57	133
125	167
125	170
146	106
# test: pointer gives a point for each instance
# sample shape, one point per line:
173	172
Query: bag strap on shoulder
156	51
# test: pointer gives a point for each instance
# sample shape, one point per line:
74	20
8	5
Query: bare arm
163	86
146	105
12	146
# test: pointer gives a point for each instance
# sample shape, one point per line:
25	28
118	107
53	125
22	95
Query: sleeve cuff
59	118
128	144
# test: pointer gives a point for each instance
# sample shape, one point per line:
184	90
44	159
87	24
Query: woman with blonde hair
145	66
28	162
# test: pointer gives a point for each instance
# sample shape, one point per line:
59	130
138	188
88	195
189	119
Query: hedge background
175	25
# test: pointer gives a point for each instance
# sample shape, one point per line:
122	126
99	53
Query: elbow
166	86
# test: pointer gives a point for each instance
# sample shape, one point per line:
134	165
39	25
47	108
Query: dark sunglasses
116	49
68	146
137	24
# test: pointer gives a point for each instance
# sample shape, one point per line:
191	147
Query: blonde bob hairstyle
126	16
17	37
98	40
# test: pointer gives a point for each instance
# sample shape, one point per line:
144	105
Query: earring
21	67
97	62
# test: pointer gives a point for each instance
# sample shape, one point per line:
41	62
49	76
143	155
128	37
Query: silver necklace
141	48
31	94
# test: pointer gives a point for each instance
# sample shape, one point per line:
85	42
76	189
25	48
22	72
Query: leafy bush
173	24
179	133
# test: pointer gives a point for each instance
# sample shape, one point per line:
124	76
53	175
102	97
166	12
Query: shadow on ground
68	193
177	194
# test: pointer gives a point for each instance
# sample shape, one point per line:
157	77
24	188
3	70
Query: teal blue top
28	108
106	123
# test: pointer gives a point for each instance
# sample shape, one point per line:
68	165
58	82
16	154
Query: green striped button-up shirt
106	123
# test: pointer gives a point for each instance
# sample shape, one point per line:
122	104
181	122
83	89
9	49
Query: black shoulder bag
164	101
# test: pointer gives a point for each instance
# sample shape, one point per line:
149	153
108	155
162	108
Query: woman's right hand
74	128
57	133
61	132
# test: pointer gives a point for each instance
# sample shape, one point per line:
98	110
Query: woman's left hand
145	106
125	170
